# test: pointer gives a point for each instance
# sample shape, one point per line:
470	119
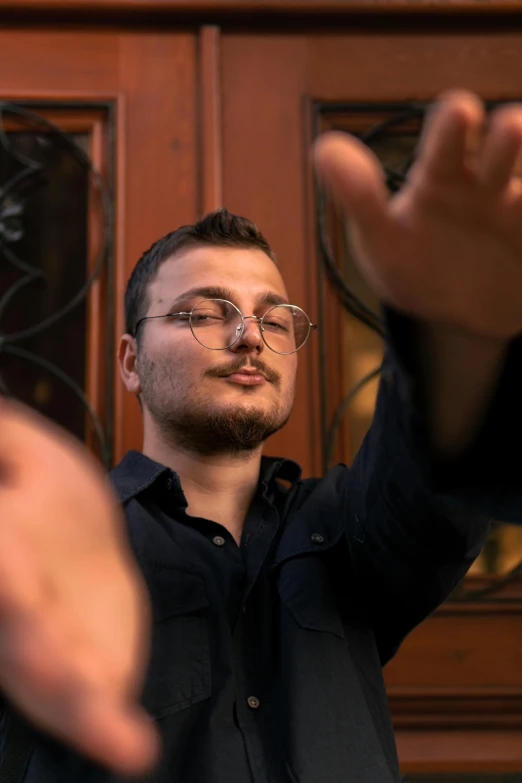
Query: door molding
222	9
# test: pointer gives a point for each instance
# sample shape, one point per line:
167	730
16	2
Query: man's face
198	397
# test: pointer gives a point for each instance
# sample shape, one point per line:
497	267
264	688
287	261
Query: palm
74	620
448	247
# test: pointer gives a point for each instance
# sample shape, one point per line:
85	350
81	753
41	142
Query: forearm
459	373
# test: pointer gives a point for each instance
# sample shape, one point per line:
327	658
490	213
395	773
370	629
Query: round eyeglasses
218	324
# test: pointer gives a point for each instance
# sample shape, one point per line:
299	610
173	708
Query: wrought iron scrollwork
395	177
28	176
396	116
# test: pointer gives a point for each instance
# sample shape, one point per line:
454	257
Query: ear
127	358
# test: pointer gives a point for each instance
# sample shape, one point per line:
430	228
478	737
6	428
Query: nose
250	340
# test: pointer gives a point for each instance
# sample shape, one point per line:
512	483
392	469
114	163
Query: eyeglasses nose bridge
252	317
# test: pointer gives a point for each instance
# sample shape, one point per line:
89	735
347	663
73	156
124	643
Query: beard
238	430
196	423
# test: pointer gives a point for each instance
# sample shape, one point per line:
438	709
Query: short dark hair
220	228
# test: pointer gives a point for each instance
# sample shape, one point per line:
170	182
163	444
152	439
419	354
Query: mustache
227	369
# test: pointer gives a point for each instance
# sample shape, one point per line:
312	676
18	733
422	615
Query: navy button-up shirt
267	657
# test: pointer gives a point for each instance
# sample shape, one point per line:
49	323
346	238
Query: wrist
458	373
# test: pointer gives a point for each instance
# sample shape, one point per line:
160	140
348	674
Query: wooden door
456	686
97	157
159	122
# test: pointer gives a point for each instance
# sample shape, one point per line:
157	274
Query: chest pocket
179	666
305	589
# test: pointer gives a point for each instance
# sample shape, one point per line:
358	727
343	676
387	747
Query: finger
123	739
25	434
118	737
355	177
501	157
22	426
451	135
19	573
98	720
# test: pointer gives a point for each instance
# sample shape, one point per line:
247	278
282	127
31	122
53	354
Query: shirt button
168	484
317	538
218	541
253	702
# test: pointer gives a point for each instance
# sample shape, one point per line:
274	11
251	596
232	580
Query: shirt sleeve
487	476
415	527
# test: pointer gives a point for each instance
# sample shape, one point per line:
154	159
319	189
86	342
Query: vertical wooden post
211	181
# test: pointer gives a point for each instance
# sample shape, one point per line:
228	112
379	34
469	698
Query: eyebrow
217	292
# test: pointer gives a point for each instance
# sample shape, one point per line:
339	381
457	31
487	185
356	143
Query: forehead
244	271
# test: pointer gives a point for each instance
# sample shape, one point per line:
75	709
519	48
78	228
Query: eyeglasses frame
259	319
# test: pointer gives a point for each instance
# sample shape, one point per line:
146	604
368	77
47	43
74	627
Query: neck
218	487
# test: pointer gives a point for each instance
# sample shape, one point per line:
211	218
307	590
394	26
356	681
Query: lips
248	374
246	377
245	371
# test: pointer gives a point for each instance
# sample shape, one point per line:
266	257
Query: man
274	609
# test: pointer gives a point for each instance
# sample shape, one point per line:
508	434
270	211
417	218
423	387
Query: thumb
123	738
119	736
355	177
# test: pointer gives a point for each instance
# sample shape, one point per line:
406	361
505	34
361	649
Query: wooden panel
157	175
414	65
264	177
461	668
210	119
460	751
450	650
57	61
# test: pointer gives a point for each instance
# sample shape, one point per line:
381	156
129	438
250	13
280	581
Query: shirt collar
136	472
279	467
